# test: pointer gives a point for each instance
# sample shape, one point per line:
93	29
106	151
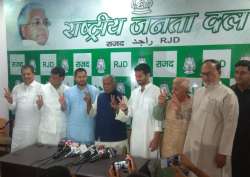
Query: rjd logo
33	63
189	65
141	6
222	63
49	64
165	63
100	65
65	65
120	64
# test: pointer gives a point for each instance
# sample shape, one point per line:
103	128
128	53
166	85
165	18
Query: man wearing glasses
33	24
213	123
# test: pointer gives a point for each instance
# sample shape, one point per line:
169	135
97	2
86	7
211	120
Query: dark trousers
241	152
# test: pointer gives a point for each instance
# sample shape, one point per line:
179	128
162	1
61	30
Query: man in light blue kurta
78	100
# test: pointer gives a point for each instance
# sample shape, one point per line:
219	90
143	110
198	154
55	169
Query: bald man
213	123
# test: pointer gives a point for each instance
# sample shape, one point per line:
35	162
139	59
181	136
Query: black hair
58	70
56	171
217	64
144	68
28	66
244	63
78	70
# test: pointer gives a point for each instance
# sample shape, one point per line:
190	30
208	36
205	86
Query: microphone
87	155
76	149
103	153
61	151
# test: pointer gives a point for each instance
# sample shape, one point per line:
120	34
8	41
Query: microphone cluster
85	153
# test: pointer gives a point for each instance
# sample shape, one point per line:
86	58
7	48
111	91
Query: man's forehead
37	13
245	68
209	66
26	70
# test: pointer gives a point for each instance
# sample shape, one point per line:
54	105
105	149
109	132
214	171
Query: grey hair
183	82
24	14
109	76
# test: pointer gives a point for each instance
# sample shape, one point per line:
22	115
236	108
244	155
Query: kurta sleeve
67	100
12	106
156	123
230	113
93	109
159	112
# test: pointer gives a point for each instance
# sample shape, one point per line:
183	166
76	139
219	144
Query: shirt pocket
212	105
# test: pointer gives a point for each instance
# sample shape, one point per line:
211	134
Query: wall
172	36
3	63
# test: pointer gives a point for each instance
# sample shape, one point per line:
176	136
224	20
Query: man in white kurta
145	135
53	119
25	102
212	128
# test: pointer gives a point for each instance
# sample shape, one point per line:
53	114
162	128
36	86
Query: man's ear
23	31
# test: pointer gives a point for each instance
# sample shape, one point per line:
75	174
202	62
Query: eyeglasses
39	21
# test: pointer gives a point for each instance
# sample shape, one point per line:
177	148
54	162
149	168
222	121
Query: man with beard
240	157
78	102
145	135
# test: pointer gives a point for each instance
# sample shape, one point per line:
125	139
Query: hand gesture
122	104
7	96
162	98
113	102
39	101
184	161
176	103
87	98
113	172
155	142
220	160
61	100
131	163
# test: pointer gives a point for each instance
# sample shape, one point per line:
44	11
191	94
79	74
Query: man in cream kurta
212	128
25	101
145	135
53	119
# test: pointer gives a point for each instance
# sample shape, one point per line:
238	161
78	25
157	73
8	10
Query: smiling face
27	76
36	28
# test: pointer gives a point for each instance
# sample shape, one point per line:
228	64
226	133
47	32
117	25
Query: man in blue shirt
108	130
78	101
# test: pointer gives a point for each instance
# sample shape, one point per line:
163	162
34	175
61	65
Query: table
23	163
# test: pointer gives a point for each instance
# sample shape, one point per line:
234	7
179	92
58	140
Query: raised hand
122	104
176	103
7	96
39	101
131	163
61	100
87	98
162	98
113	103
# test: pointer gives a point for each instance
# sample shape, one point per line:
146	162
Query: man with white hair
33	24
177	114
